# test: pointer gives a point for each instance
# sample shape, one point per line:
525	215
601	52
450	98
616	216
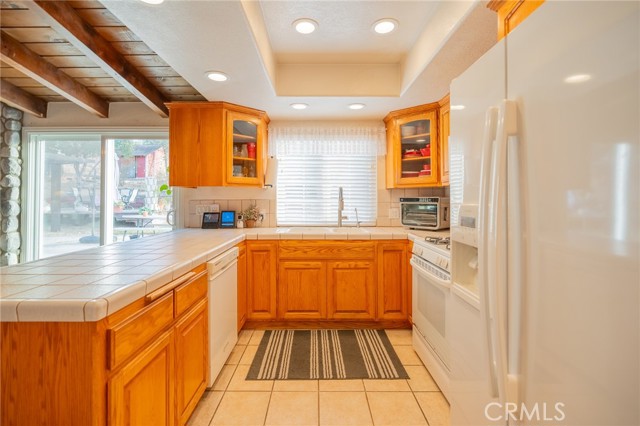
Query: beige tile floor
236	401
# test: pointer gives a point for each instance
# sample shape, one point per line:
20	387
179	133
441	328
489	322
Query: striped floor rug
325	354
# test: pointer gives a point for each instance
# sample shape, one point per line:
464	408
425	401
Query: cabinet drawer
191	292
296	249
130	336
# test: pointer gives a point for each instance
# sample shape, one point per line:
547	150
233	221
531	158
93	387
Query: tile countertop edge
95	309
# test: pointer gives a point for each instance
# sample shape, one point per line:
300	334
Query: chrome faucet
340	207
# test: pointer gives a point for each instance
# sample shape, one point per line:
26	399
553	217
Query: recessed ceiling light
456	107
153	1
385	26
577	78
217	76
305	25
299	106
356	106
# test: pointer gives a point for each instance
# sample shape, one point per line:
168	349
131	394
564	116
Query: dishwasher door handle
223	270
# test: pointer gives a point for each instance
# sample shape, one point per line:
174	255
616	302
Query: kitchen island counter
91	284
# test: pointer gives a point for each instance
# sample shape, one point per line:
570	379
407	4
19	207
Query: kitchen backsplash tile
388	199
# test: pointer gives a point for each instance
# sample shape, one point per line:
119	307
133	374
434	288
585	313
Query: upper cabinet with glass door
217	144
412	147
245	138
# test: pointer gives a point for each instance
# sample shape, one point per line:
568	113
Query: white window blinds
314	163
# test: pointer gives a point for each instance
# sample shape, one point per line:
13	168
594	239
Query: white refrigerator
545	178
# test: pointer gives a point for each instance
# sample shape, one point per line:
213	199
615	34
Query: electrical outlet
394	213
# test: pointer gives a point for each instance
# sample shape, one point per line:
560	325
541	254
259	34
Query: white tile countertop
91	284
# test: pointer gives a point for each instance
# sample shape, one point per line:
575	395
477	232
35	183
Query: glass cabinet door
418	145
246	151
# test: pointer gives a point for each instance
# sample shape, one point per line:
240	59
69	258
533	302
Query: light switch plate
394	213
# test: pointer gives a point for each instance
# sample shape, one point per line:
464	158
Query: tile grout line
224	391
272	390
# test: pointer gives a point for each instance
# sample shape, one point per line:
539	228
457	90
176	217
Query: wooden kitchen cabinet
167	375
393	288
142	392
145	364
326	279
261	279
511	13
443	125
216	144
192	354
412	147
302	292
328	283
351	290
418	146
242	285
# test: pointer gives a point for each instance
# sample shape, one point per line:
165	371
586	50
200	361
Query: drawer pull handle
168	287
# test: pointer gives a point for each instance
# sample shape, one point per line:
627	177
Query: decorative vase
250	223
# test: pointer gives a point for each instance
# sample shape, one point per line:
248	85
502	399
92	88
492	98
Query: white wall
121	115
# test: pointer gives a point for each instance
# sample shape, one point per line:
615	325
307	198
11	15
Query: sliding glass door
83	190
66	194
142	201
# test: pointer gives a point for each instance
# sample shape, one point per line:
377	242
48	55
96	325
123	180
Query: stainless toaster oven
429	213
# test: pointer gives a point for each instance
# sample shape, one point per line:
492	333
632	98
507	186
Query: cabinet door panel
244	147
211	149
142	392
302	290
192	359
351	290
413	147
392	281
184	134
261	280
444	140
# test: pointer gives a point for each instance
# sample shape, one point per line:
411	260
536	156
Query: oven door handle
439	281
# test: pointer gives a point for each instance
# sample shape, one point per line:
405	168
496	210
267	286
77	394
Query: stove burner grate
438	240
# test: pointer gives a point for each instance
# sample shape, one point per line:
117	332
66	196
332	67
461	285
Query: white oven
431	292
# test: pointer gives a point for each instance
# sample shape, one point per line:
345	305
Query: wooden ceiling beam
68	23
15	54
22	100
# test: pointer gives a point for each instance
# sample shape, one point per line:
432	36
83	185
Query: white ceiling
345	33
344	61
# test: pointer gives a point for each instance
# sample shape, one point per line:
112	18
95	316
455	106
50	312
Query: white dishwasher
223	308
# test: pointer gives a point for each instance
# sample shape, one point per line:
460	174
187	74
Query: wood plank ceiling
77	51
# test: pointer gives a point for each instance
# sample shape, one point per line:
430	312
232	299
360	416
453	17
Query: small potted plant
250	215
118	206
145	211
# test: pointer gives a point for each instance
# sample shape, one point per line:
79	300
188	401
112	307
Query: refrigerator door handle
489	135
499	255
516	275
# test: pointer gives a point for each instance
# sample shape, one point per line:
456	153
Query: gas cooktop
439	241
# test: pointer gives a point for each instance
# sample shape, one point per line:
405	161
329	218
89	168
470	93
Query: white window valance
327	140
